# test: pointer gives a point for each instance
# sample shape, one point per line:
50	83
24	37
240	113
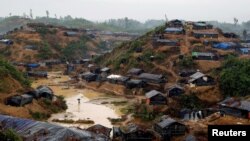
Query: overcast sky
99	10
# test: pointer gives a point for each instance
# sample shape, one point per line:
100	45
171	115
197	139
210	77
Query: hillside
15	83
168	60
39	42
114	25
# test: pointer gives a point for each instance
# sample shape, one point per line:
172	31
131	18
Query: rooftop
152	93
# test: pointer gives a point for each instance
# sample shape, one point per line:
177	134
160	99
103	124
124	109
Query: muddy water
85	110
90	106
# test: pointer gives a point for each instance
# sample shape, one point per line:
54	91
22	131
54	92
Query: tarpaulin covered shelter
45	92
31	130
19	100
33	65
224	45
174	30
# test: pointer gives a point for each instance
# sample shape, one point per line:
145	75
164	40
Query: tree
10	14
166	17
45	52
31	14
245	34
126	22
235	77
47	13
235	21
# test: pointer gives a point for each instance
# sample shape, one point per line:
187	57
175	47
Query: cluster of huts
201	30
164	129
27	98
30	130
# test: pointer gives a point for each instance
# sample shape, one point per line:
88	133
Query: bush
187	62
235	77
39	115
45	52
191	102
6	68
9	135
75	50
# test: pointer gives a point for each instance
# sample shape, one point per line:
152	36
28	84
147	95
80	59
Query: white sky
99	10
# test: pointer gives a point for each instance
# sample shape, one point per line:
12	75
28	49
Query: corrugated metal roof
44	89
166	41
173	29
33	129
105	69
175	86
135	81
150	76
166	122
134	70
209	54
236	103
152	93
197	75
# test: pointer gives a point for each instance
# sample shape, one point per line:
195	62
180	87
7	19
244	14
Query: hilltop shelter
155	98
224	45
135	83
235	107
117	79
135	71
167	42
132	132
19	100
174	30
200	79
204	56
89	76
199	34
175	90
169	127
152	78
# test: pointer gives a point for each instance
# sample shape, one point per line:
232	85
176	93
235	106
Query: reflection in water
79	107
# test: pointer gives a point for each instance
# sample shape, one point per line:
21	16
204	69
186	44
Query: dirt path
185	48
169	67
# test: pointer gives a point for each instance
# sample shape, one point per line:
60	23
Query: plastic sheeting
224	45
34	130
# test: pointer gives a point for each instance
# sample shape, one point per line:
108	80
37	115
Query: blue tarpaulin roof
33	65
224	45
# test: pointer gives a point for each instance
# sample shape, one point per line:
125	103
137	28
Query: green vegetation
45	52
102	45
117	120
191	102
71	121
76	49
117	103
56	106
235	77
39	115
7	69
44	30
9	135
187	62
52	107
